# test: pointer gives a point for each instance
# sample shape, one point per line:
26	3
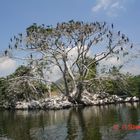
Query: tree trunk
75	96
79	92
66	85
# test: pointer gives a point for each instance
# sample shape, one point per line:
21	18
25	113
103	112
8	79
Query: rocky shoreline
55	103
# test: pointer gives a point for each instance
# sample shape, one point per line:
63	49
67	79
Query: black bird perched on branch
123	36
31	56
119	33
112	26
131	46
15	46
9	46
5	52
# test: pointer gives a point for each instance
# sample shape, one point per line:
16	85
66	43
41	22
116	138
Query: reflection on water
89	123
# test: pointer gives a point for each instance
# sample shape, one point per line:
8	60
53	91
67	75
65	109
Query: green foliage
134	85
21	71
20	86
91	68
54	88
116	87
118	83
3	86
40	87
23	89
114	83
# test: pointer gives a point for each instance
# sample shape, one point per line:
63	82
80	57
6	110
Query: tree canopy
75	48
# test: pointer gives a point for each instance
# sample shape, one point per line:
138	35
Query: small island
64	67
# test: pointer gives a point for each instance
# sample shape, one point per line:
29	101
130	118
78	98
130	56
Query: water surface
89	123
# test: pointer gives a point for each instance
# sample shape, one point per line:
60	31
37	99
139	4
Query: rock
101	102
86	100
100	99
135	99
128	99
111	100
96	96
117	99
34	104
106	101
101	96
21	105
104	95
56	103
66	104
60	102
120	100
5	105
95	102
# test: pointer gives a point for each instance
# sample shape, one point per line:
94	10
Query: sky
17	15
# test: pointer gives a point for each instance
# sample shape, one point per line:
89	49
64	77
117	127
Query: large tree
68	46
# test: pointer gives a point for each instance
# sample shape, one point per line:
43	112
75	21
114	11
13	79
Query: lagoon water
110	122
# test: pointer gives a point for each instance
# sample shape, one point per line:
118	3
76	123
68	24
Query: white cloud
113	61
132	67
101	4
55	73
110	7
106	64
115	5
7	66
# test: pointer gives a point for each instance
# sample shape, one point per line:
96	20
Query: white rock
86	100
34	104
106	100
128	99
96	102
135	99
21	105
120	100
96	96
101	102
115	97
